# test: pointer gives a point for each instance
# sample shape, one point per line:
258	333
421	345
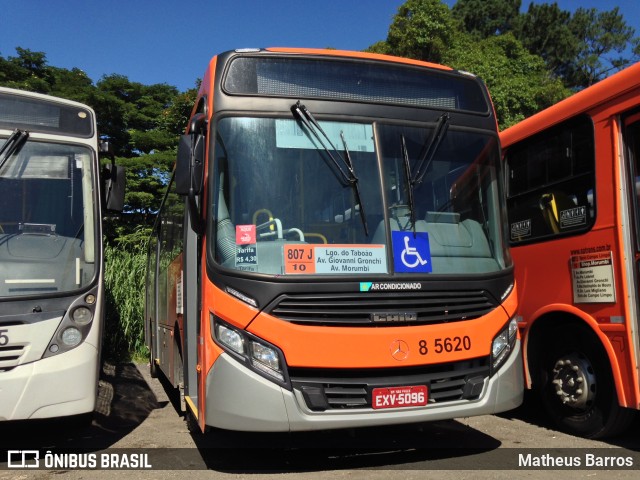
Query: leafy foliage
421	29
518	81
124	310
603	38
580	48
486	18
528	60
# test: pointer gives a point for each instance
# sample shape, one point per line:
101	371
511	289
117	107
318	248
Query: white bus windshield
47	225
283	207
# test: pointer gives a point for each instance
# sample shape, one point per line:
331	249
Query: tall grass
124	309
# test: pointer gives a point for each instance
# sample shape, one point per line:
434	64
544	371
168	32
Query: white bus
51	264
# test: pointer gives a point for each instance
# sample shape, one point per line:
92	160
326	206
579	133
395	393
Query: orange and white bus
332	248
573	186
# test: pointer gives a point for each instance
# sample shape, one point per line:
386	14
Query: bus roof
580	102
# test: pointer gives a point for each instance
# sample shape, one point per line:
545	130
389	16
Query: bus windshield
285	202
47	239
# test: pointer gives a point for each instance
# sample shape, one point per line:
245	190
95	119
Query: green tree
174	118
422	29
486	18
545	31
518	81
582	48
72	84
27	71
132	114
603	38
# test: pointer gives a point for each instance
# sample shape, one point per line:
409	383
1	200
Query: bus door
631	148
191	318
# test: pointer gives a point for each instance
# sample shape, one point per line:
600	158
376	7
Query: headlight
255	353
229	338
71	336
503	344
81	315
266	360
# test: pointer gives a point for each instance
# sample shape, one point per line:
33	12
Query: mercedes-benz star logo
399	350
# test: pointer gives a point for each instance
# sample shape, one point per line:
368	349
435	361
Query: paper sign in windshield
246	248
245	234
334	259
592	276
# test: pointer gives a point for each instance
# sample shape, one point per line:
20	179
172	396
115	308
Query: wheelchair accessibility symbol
411	254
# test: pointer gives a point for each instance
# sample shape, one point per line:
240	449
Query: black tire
576	385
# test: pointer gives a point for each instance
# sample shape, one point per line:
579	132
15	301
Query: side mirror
183	166
114	187
113	180
190	161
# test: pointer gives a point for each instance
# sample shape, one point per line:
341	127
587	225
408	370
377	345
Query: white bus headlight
266	359
71	336
503	344
81	315
255	353
229	338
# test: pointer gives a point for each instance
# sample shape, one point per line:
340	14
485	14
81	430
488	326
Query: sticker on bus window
521	229
573	217
245	234
411	252
334	259
247	258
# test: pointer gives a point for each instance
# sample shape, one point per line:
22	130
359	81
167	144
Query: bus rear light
503	344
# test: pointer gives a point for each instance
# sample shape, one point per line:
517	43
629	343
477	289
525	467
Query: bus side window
551	182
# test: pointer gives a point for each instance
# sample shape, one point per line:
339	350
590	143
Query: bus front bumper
238	399
56	386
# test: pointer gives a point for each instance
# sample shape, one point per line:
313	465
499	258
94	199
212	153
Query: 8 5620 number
447	344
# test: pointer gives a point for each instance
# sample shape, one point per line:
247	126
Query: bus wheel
577	386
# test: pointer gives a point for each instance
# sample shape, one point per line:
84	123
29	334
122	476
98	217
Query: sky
171	41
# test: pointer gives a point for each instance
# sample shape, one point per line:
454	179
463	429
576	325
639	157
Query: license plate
396	397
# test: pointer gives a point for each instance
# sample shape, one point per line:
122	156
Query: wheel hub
574	381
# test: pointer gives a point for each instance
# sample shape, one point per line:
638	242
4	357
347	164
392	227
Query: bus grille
351	389
381	308
10	357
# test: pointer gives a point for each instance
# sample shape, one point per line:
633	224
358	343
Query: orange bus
573	186
332	250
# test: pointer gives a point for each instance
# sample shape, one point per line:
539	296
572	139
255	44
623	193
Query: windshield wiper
13	144
344	166
421	169
354	183
430	152
410	185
